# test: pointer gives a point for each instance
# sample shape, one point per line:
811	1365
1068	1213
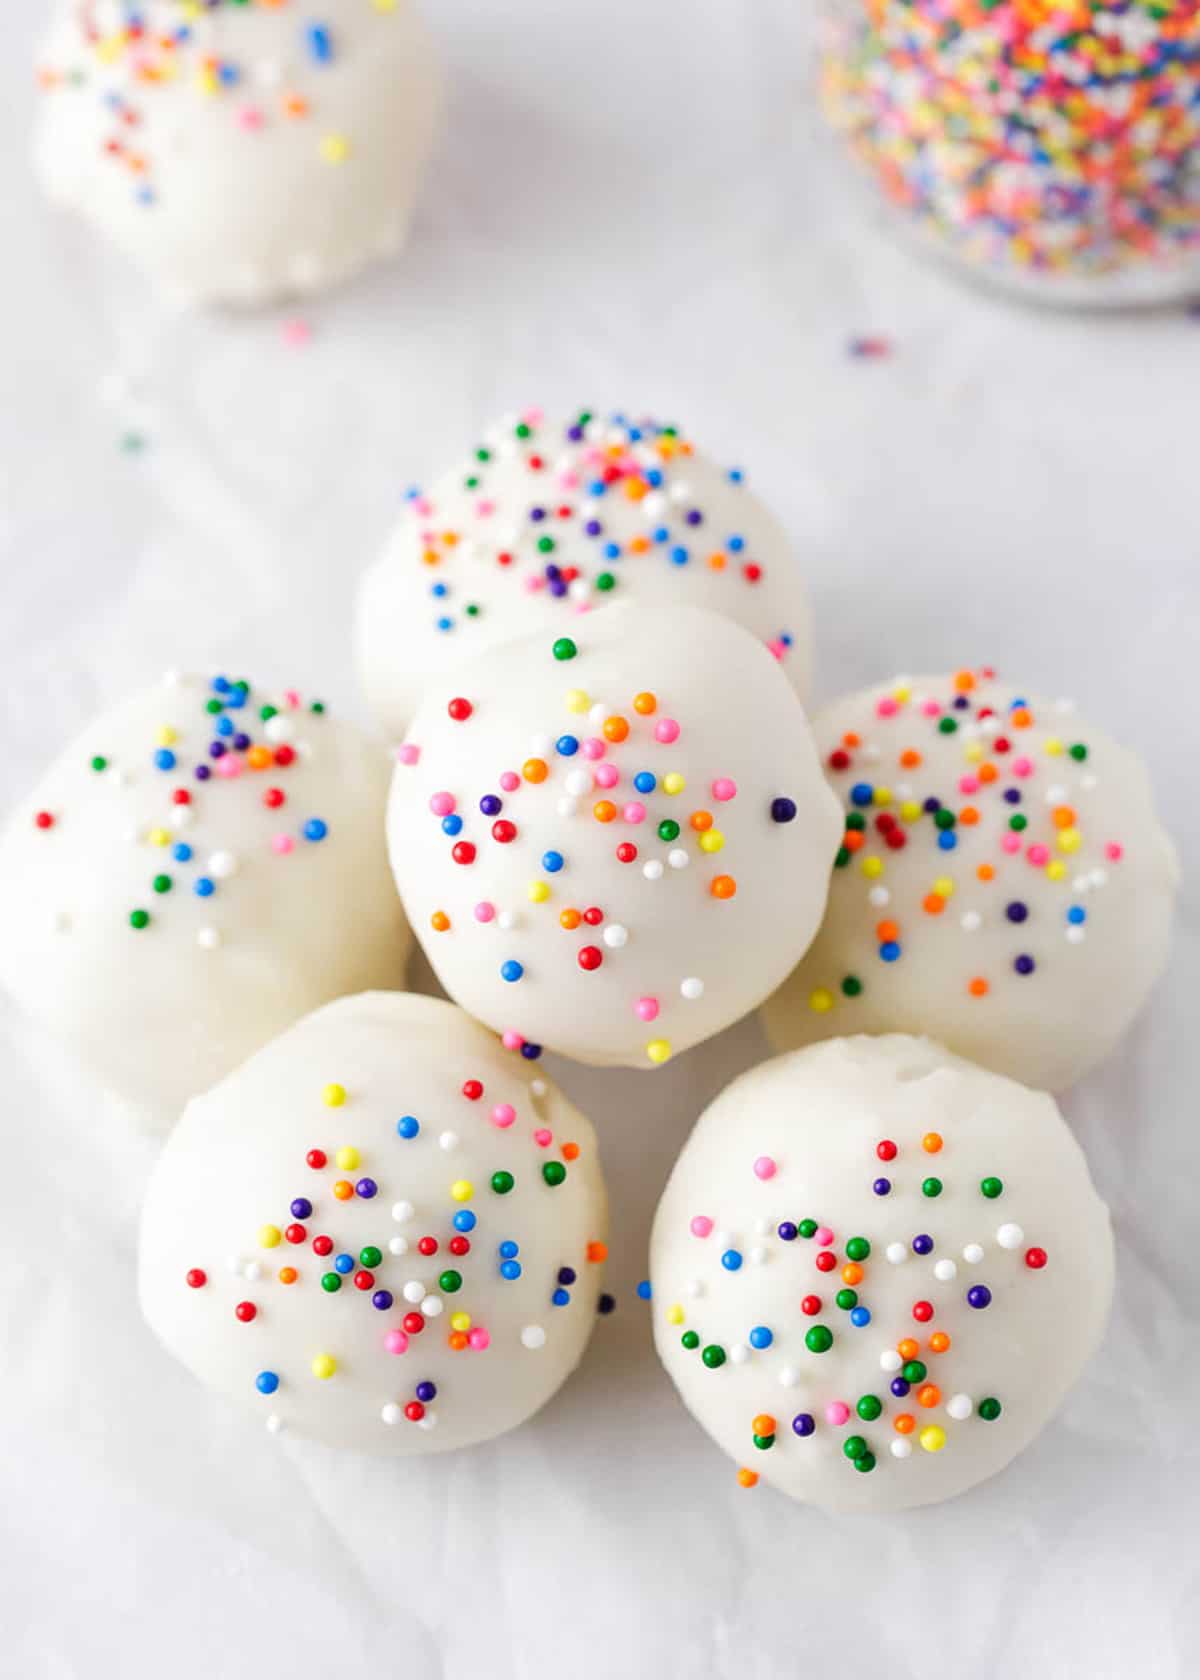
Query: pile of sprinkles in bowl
347	1247
1008	815
836	1330
599	496
1047	137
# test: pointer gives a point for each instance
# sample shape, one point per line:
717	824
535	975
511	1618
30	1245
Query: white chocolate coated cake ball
613	844
239	150
381	1231
877	1271
1004	884
201	867
546	521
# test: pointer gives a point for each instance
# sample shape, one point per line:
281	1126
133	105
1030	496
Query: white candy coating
636	512
1021	1337
236	1176
512	903
267	152
273	892
1025	935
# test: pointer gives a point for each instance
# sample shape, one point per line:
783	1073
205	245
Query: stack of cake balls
879	1264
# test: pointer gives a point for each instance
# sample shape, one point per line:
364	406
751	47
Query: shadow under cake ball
1004	883
615	843
381	1232
877	1271
201	867
547	520
239	150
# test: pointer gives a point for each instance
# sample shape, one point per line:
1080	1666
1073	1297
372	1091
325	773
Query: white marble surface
628	209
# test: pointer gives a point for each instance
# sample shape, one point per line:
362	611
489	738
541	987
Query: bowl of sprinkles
1050	145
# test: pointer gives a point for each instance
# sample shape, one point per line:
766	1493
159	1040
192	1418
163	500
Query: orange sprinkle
570	1151
570	919
450	539
747	1478
931	1142
295	105
457	1340
907	1348
439	921
1021	718
343	1189
964	681
764	1424
905	1424
987	772
929	1394
1064	817
933	904
885	931
645	704
639	545
717	561
910	758
968	816
635	488
615	729
724	886
431	557
534	770
854	839
259	758
701	820
604	810
288	1274
978	987
986	872
597	1252
850	739
939	1342
852	1272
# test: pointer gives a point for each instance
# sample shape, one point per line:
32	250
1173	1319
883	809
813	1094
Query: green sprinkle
331	1283
668	829
139	918
869	1408
948	726
502	1182
991	1188
99	762
865	1463
564	648
546	545
161	883
807	1227
856	820
914	1371
990	1409
713	1356
858	1248
450	1282
1078	752
690	1340
851	986
606	581
763	1442
819	1339
854	1446
370	1257
554	1172
931	1187
846	1298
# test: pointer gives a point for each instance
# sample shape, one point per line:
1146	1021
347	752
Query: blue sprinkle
731	1260
612	551
643	1290
645	781
181	853
761	1337
344	1263
510	1269
552	862
860	1316
452	824
225	726
1077	914
560	1298
203	887
164	759
566	746
266	1382
509	1249
444	624
408	1127
861	793
465	1220
320	43
889	950
947	840
735	475
315	829
439	590
736	544
679	556
511	970
220	685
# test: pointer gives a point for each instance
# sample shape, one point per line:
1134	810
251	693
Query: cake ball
546	521
877	1270
615	843
381	1231
1003	884
238	150
202	866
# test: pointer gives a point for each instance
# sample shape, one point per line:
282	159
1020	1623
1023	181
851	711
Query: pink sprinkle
1022	767
594	748
408	754
930	708
509	781
887	707
701	1226
1010	843
250	118
396	1341
511	1040
607	775
533	584
968	784
442	804
229	767
823	1236
1114	851
837	1412
503	1115
1039	856
646	1009
634	812
485	509
291	698
764	1167
534	416
282	844
296	333
424	507
478	1338
666	730
569	480
543	1138
484	912
724	788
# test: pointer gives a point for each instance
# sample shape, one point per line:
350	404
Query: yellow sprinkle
973	752
384	5
324	1365
932	1438
347	1158
207	81
166	736
539	891
578	700
902	693
333	1096
1056	869
821	1000
335	148
1052	745
270	1236
462	1189
712	840
882	796
1069	840
658	1050
872	868
673	782
910	811
461	1322
675	1315
159	837
944	887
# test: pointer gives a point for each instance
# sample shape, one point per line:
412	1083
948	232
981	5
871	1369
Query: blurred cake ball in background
546	520
203	865
240	151
1004	883
1050	145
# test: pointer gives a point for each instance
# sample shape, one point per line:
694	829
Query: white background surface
627	209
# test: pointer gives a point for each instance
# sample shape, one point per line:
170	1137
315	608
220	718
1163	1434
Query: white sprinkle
789	1377
542	746
432	1306
275	1424
1075	935
413	1291
878	897
1010	1236
723	1240
172	678
391	1413
890	1360
764	1227
896	1253
448	1141
222	865
871	753
972	1254
1056	795
971	922
578	783
533	1336
429	1421
60	922
182	815
757	1255
1099	877
678	858
615	936
598	714
233	1263
653	871
960	1406
945	1271
694	1288
505	920
252	1271
567	807
739	1353
397	1246
402	1211
1088	782
901	1448
691	989
279	728
538	1087
208	938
